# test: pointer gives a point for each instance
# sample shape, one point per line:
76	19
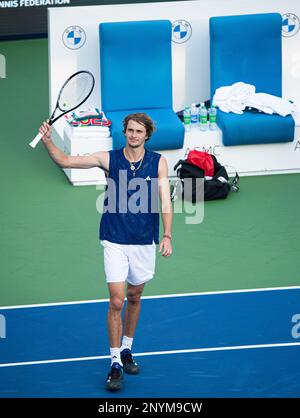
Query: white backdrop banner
74	45
74	41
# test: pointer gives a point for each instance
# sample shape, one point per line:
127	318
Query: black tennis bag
217	186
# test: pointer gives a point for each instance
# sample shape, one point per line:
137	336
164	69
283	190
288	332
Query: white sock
126	343
115	356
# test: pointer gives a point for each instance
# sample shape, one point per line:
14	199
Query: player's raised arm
98	159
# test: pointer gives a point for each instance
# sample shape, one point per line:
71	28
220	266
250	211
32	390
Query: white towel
237	97
270	104
86	133
232	98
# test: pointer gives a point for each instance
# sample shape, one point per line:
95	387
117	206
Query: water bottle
213	118
203	117
194	115
187	119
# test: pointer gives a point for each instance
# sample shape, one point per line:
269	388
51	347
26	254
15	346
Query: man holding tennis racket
129	237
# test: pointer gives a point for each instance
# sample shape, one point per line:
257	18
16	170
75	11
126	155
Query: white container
203	117
194	116
187	119
212	118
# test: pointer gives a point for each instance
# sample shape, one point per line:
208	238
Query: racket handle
36	140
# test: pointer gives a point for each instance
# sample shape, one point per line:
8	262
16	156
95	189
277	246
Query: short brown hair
143	119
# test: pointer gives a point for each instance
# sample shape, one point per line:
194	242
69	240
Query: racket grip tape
36	140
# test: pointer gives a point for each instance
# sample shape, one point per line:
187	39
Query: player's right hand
45	130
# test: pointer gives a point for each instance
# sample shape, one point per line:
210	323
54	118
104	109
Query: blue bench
248	48
136	76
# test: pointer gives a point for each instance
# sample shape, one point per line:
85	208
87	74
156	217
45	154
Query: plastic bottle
203	117
194	115
187	119
212	118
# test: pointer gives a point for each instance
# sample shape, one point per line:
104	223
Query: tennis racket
74	92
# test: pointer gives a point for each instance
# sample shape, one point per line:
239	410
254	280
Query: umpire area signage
31	3
28	18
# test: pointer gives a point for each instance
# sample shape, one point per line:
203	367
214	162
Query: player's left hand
165	247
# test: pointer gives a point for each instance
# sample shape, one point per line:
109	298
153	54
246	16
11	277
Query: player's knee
116	303
134	297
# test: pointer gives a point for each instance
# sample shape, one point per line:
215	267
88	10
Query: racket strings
75	91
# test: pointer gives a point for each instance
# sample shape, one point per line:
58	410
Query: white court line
153	353
221	292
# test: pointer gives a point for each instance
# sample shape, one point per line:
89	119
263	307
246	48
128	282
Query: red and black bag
203	165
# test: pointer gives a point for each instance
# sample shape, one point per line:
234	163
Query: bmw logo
74	37
181	31
290	24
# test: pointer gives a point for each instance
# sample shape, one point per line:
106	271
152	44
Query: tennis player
130	236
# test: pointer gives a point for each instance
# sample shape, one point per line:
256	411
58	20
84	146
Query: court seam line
221	292
152	353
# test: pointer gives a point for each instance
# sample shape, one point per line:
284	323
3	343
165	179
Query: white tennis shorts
134	263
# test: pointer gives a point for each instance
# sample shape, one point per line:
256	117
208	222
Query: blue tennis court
225	344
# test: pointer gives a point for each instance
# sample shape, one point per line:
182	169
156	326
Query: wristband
168	236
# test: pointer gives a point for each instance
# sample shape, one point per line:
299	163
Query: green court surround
49	229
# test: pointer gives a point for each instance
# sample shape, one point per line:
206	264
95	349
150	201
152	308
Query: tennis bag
203	165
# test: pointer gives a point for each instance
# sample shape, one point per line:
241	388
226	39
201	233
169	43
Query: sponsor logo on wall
211	149
74	37
290	25
181	31
297	146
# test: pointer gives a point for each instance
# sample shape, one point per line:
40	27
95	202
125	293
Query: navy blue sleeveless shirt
131	209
